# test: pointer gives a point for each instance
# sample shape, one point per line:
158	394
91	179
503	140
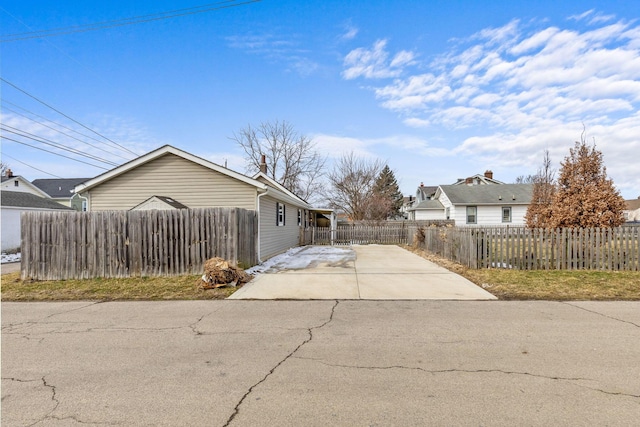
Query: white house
13	204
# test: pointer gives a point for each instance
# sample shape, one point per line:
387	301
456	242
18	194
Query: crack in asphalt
54	398
601	314
480	371
310	330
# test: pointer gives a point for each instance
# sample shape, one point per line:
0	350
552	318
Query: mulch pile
218	273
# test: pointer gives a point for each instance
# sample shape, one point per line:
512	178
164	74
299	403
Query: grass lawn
138	288
550	284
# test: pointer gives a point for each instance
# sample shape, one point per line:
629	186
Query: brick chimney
422	185
468	181
488	174
9	173
263	164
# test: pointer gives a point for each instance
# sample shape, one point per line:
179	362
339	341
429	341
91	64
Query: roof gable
261	176
167	149
25	183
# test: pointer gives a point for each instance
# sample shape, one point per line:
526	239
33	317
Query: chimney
9	173
422	185
488	174
468	181
263	164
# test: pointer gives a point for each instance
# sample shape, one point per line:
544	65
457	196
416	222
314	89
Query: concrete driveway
371	272
321	363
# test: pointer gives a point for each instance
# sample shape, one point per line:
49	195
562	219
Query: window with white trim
472	214
506	214
280	214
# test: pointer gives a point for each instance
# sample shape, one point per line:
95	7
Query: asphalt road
320	363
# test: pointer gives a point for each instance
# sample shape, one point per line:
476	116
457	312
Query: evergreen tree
387	198
584	196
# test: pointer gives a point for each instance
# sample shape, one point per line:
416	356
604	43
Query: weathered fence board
80	245
536	249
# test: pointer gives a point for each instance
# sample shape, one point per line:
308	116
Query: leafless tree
544	188
3	168
292	159
351	186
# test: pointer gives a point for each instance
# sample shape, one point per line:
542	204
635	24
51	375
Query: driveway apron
370	272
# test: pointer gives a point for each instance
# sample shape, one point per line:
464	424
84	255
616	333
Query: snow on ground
9	257
304	257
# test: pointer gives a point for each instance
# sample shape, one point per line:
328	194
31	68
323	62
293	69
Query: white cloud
523	88
350	33
374	63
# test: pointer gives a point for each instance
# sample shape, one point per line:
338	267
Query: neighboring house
632	211
61	190
11	182
425	192
504	204
13	204
199	183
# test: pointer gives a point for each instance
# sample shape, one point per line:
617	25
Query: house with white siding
193	182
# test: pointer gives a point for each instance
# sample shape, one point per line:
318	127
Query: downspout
258	213
82	197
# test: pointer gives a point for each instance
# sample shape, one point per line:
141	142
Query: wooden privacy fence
536	249
80	245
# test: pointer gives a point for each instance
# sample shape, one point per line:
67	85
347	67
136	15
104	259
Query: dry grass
138	288
548	285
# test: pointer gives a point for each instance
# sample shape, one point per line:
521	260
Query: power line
52	152
58	130
63	114
32	167
124	21
45	141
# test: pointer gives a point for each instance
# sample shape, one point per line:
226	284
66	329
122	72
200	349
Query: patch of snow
10	257
303	257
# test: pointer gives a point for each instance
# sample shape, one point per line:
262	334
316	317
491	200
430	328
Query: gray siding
274	239
189	183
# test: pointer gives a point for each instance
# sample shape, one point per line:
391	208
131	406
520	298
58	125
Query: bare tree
3	168
540	210
292	159
351	186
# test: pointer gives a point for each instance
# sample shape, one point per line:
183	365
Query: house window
84	206
280	214
447	213
506	214
299	217
472	215
16	183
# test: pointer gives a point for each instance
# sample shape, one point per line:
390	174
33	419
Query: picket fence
81	245
522	248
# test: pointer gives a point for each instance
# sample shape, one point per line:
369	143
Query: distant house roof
425	192
26	185
58	187
427	205
27	200
633	204
487	178
511	194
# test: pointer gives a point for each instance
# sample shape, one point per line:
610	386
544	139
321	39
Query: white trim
279	187
26	184
167	149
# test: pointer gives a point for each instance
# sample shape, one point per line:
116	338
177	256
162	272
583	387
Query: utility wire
59	131
63	114
124	21
32	167
52	152
45	141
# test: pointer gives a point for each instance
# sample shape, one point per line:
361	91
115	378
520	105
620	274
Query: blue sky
440	90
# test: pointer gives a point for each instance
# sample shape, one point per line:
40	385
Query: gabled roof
26	183
633	204
20	199
483	179
58	187
425	192
505	194
167	149
164	199
428	205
